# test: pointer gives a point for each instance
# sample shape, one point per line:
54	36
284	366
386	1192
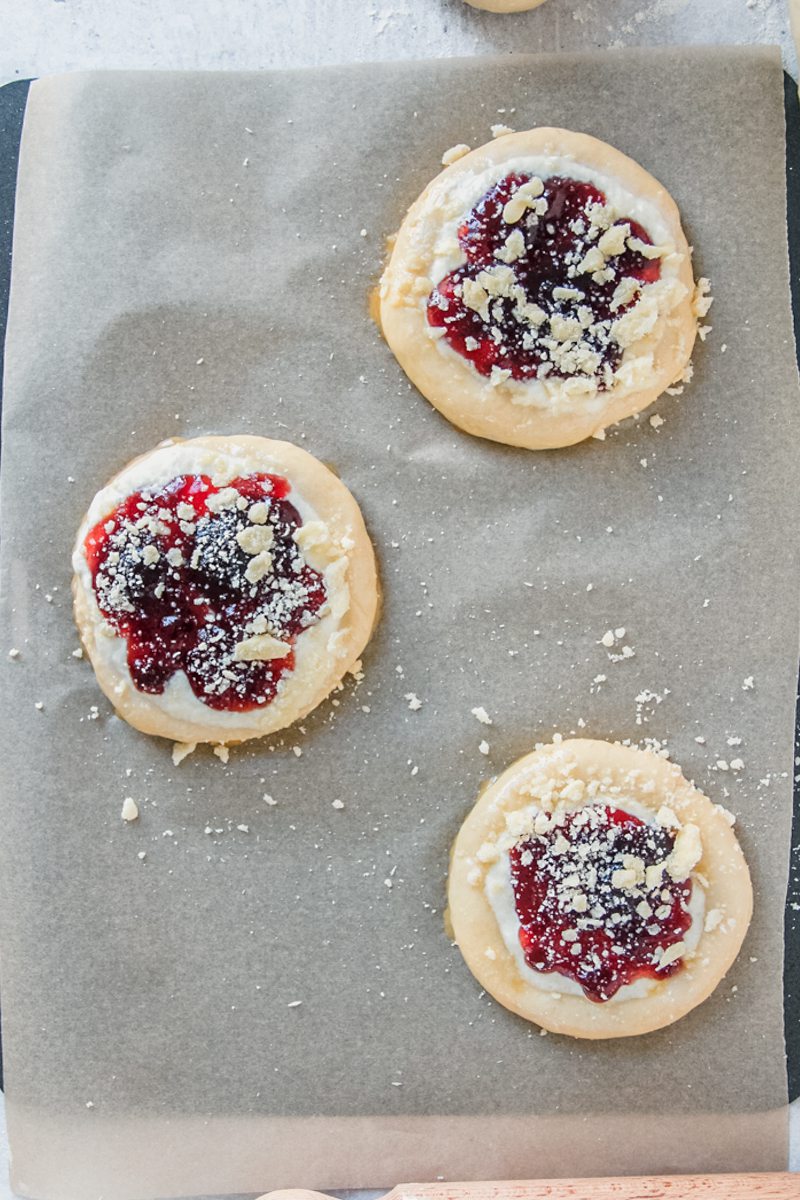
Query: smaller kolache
541	289
223	586
596	892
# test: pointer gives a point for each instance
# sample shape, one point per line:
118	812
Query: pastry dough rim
452	385
505	6
723	864
338	509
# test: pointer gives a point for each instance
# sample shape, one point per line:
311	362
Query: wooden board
782	1186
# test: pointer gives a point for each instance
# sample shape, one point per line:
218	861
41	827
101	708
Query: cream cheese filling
499	892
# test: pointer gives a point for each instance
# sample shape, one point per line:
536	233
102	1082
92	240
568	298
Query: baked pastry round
541	289
594	891
505	6
223	586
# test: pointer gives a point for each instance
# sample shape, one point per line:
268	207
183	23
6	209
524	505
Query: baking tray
13	97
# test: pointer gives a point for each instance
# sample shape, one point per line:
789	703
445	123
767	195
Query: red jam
574	920
177	573
531	271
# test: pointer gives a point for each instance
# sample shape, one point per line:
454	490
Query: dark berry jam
189	572
576	915
539	310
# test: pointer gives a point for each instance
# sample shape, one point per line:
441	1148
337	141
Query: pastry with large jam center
596	892
541	289
222	587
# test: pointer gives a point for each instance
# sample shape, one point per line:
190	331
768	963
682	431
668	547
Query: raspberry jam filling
584	905
549	271
209	581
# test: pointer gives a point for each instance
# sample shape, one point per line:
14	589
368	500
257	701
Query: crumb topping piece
455	153
130	809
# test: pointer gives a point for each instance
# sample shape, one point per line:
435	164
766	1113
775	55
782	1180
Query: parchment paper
190	256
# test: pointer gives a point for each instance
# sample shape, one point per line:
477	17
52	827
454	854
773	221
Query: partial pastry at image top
223	586
596	892
505	6
541	289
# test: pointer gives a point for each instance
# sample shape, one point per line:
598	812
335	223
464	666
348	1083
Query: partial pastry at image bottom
597	893
223	587
505	6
